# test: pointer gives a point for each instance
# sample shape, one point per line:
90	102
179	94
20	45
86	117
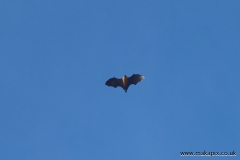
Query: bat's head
142	78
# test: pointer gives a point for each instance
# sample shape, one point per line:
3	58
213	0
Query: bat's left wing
114	82
134	79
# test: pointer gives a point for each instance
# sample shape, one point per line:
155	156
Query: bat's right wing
114	82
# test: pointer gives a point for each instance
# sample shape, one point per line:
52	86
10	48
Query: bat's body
125	81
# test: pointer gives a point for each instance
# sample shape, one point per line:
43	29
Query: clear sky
55	57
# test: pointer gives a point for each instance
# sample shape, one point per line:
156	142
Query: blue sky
55	57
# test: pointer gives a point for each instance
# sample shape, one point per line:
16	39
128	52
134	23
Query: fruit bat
125	81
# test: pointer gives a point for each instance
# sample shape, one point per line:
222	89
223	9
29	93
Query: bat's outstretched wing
114	82
134	79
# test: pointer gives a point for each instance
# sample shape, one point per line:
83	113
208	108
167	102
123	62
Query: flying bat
125	81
